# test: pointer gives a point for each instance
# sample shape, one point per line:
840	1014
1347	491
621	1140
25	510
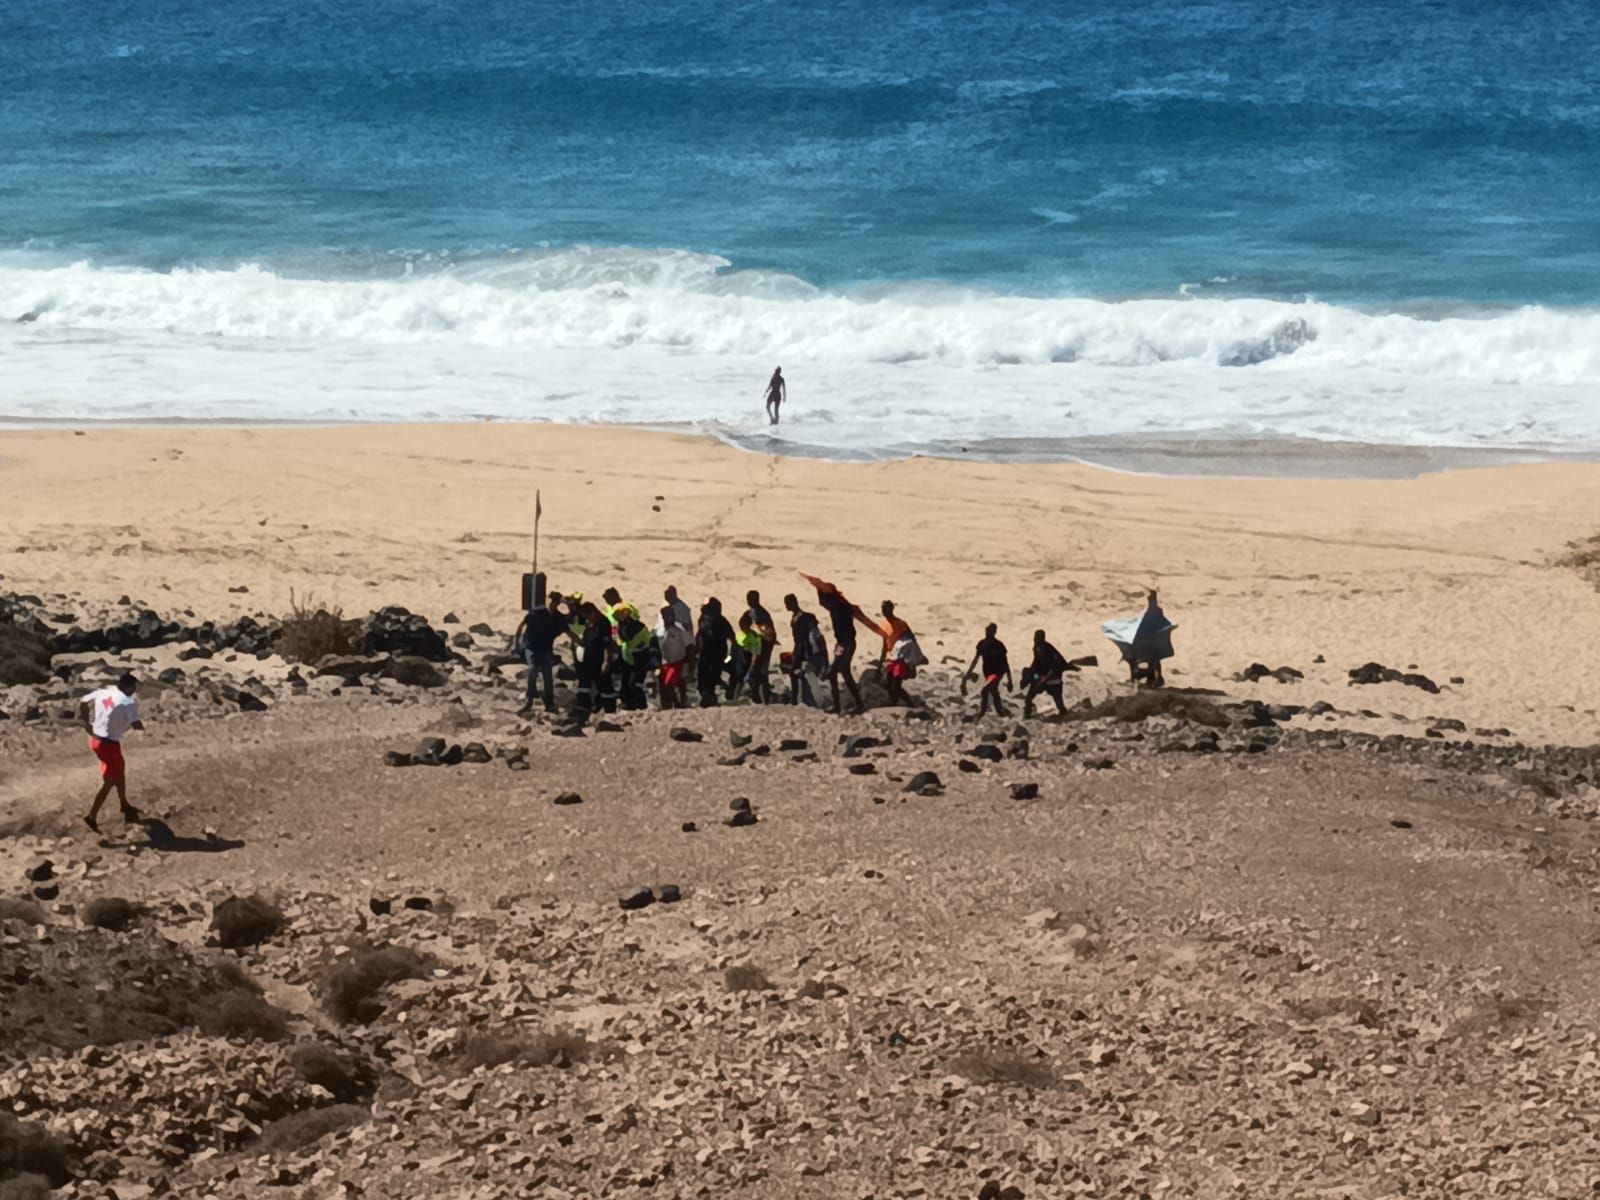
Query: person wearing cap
634	639
108	713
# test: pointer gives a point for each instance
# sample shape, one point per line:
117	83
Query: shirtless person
777	393
109	713
996	666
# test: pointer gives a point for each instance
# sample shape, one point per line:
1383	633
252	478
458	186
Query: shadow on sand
158	835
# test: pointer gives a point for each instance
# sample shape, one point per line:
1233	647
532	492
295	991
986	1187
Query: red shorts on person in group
991	680
897	670
110	755
671	674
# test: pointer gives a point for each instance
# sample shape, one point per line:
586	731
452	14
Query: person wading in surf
777	393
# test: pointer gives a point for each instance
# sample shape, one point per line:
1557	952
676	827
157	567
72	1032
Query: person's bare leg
92	820
129	812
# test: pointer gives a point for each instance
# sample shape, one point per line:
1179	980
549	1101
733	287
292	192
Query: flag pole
538	511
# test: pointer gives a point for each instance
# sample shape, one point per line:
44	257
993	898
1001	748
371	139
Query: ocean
954	225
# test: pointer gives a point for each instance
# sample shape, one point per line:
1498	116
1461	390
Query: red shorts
110	755
671	675
897	669
991	680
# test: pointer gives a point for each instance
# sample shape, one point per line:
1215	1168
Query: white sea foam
671	336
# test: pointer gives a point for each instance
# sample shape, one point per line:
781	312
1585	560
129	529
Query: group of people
615	654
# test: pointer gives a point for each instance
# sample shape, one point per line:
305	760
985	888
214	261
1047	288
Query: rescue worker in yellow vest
747	644
634	642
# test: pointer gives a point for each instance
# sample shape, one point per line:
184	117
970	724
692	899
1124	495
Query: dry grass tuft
554	1048
1141	706
29	1149
236	1014
557	1048
747	977
242	921
299	1130
1320	1008
1495	1014
351	987
1004	1067
312	630
25	911
345	1077
110	912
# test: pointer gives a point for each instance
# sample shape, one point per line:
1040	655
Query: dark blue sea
1341	220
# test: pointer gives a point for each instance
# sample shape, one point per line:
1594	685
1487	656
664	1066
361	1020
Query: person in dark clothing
844	616
777	393
759	669
711	640
810	651
594	669
1044	674
996	666
536	636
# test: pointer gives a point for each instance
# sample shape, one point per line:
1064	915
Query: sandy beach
1452	574
375	933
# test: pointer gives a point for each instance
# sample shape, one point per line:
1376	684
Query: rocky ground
1177	944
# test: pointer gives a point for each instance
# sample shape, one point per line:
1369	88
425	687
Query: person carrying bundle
844	616
675	644
901	655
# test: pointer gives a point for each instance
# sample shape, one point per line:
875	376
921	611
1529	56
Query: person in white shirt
680	612
109	713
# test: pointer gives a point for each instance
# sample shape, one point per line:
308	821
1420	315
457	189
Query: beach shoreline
1160	454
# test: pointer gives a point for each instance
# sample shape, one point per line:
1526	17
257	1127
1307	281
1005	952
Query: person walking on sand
777	393
535	639
711	644
109	713
810	651
844	616
680	610
996	666
676	643
899	657
1045	675
760	672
